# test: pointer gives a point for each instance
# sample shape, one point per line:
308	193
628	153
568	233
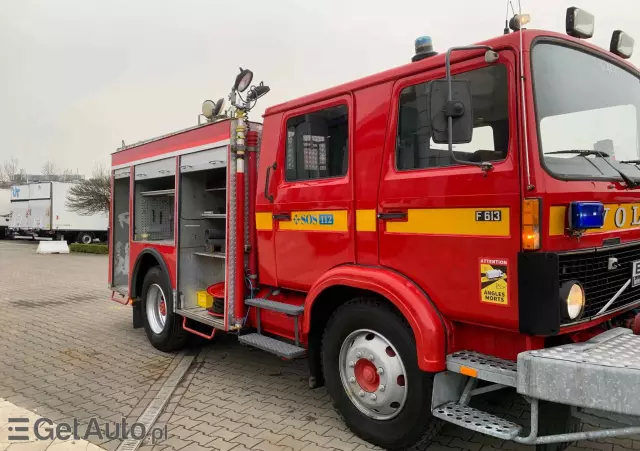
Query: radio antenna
506	16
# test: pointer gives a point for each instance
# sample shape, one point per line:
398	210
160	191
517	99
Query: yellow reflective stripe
318	221
366	220
452	221
557	217
264	221
616	217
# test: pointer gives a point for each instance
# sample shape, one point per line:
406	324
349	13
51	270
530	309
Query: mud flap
137	315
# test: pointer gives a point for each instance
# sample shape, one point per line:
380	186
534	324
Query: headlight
572	297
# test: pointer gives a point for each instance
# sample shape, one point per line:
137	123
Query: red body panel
302	257
202	136
427	324
372	116
446	266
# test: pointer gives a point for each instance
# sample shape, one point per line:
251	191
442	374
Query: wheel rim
86	239
156	308
373	374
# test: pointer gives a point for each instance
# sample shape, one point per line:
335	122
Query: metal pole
241	128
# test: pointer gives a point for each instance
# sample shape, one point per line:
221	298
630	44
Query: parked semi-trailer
39	210
5	211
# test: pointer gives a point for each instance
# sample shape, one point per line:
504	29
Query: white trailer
40	210
5	211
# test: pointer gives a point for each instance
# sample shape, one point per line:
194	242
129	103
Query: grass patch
89	248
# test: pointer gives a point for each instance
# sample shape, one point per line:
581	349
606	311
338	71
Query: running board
280	348
477	420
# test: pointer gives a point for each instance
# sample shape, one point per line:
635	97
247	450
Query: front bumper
602	373
598	378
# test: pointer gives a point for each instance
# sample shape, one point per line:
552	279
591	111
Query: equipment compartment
202	221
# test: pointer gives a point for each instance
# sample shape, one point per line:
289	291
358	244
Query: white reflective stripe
240	163
175	153
615	296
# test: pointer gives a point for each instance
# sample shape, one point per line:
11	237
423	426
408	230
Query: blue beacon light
586	215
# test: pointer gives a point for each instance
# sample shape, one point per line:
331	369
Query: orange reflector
468	371
531	224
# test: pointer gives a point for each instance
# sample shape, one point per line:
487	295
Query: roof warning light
424	49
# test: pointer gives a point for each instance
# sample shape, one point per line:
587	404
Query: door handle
282	217
268	196
393	215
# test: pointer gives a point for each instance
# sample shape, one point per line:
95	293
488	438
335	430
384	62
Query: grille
600	284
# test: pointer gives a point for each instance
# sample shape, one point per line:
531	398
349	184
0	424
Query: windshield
584	103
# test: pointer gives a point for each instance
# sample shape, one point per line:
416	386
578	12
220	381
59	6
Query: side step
280	307
477	420
272	345
484	367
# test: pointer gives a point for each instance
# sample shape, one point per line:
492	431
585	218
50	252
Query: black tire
173	336
414	426
85	238
556	419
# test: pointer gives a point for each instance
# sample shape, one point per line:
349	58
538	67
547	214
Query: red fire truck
465	223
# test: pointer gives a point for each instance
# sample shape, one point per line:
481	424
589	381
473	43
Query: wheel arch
147	259
345	282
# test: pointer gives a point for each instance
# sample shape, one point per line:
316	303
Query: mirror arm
485	165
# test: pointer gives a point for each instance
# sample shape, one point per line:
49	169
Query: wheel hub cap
367	375
373	374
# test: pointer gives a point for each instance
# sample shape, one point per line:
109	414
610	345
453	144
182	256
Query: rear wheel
372	375
161	324
85	238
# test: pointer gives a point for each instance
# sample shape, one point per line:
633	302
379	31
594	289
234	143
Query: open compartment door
121	230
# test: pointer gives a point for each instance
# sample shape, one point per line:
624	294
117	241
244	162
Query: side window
317	144
416	150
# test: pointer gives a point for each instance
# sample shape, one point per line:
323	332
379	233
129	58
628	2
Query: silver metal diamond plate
489	368
477	420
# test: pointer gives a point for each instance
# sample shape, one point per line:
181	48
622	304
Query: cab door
313	203
451	228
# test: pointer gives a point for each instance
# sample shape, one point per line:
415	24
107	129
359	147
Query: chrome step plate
281	307
477	420
202	316
277	347
489	368
602	373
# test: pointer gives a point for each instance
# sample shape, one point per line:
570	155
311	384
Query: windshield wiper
636	162
584	153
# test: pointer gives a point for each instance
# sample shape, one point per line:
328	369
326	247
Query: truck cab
462	224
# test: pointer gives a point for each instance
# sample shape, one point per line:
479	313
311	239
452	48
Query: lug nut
371	357
351	364
373	396
352	380
361	393
380	370
382	387
358	354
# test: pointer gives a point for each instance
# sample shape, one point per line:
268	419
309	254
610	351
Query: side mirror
459	109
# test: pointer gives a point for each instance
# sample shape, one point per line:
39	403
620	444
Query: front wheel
372	375
161	324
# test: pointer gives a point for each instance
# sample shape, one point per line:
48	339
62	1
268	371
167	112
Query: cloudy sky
80	76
